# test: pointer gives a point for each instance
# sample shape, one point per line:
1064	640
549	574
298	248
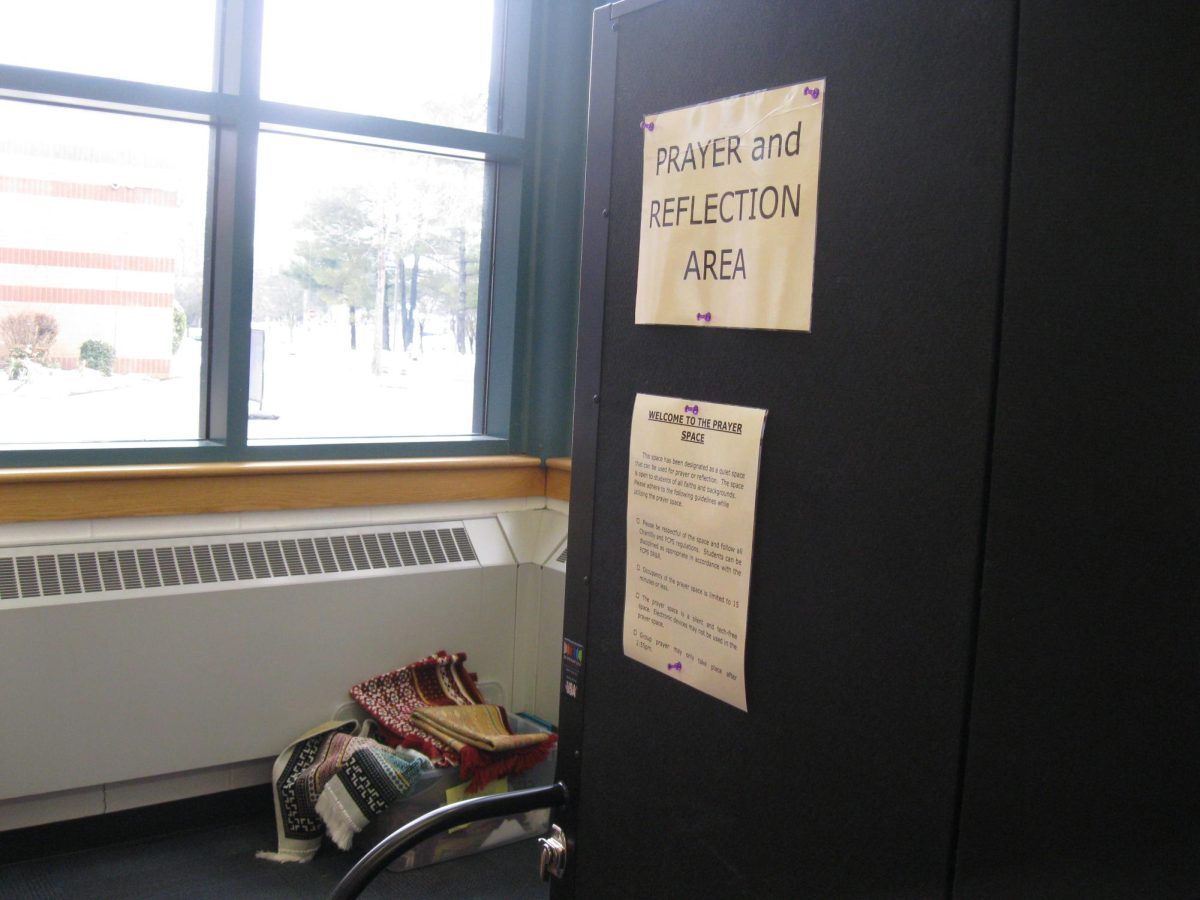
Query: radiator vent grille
562	557
27	574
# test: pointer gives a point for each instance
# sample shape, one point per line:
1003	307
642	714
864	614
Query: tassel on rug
482	767
485	744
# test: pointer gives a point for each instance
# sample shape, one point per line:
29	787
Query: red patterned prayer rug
434	706
390	699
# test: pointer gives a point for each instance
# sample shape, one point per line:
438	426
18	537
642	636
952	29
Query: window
136	40
98	243
260	229
366	290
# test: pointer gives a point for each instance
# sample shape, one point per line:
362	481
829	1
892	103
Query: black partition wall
1081	776
926	551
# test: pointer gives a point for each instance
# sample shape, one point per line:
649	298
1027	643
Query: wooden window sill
33	495
558	479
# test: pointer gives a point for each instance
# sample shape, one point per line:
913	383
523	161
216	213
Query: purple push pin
812	92
694	410
648	126
704	317
677	666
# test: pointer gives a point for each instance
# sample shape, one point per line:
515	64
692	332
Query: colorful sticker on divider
572	668
572	651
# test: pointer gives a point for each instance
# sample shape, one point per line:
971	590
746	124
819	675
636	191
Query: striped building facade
91	235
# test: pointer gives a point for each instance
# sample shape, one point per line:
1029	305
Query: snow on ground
314	387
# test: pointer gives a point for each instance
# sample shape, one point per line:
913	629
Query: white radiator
129	659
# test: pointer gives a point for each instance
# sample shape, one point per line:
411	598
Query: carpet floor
219	862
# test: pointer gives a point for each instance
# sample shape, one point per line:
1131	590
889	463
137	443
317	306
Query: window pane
365	291
422	61
101	259
160	42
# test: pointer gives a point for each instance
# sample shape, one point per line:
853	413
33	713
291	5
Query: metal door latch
554	854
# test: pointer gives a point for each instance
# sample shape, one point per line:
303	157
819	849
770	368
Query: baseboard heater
126	659
125	567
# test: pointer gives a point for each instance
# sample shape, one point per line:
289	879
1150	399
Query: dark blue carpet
219	862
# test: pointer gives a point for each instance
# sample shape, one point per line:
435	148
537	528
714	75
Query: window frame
237	115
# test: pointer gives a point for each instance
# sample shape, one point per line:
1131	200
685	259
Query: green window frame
523	381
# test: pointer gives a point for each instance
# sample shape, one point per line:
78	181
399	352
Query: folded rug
485	743
390	699
334	778
434	706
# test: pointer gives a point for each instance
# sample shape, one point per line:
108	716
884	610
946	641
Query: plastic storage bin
430	793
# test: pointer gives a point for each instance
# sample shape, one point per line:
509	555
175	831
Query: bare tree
339	257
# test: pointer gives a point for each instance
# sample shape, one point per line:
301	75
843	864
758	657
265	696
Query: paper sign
729	211
693	484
